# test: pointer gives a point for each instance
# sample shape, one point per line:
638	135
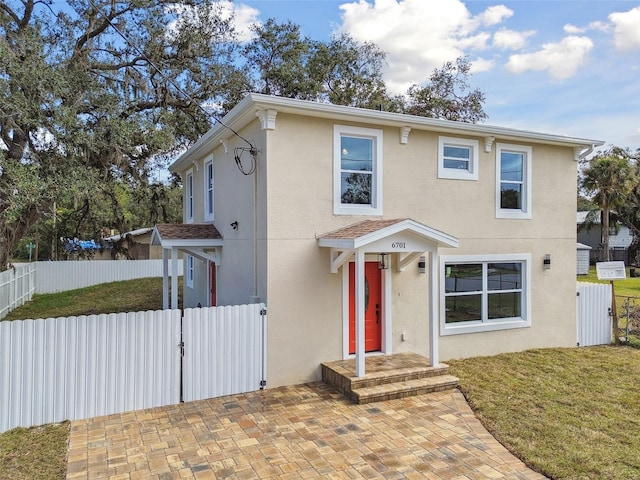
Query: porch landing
387	377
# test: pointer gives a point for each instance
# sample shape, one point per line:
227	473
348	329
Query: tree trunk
605	231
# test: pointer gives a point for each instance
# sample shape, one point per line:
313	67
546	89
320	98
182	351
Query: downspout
255	298
581	153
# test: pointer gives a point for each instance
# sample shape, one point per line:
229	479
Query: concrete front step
391	391
397	376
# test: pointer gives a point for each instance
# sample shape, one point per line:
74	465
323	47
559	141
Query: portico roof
364	233
186	235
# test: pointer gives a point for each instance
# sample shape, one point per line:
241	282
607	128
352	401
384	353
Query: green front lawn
568	413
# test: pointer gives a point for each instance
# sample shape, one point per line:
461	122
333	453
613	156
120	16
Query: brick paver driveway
305	431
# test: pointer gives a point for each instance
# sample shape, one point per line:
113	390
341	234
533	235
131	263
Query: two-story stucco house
370	233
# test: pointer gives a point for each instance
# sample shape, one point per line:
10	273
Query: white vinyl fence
17	286
19	283
55	277
81	367
594	321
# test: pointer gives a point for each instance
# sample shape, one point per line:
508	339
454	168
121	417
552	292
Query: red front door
372	308
212	285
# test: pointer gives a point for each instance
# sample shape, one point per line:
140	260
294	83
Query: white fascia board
341	112
245	112
196	243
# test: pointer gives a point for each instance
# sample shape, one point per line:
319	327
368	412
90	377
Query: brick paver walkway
305	431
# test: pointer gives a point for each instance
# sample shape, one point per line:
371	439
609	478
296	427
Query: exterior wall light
422	265
547	261
383	261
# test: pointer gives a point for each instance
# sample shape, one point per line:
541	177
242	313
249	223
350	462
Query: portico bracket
339	258
405	260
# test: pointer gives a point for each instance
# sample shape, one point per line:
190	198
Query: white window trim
456	173
525	211
209	214
188	197
190	273
495	324
376	184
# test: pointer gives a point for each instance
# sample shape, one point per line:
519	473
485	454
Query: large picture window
485	293
457	158
357	171
513	181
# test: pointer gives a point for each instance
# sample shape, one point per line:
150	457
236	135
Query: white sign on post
611	271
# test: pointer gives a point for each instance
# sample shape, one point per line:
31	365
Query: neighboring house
136	244
620	237
368	231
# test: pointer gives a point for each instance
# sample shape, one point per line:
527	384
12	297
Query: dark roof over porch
186	234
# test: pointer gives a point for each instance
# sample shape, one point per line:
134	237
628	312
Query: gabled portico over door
403	240
201	241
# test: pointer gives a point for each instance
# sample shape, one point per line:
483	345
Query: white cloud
572	29
626	29
510	39
495	15
601	26
420	36
244	17
561	59
479	65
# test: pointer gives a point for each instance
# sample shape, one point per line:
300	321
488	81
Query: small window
357	171
190	272
513	181
485	293
188	197
457	158
208	191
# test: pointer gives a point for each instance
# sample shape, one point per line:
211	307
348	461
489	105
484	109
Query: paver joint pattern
304	431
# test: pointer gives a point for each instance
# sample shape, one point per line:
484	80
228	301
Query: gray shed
583	259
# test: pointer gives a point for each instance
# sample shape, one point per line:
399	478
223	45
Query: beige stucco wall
305	300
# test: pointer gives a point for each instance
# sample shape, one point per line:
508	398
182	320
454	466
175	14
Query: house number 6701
398	245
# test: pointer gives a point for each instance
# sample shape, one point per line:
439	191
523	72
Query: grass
128	296
34	453
567	413
629	287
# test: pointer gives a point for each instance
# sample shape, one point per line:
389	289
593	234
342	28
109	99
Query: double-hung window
208	191
485	293
457	158
357	171
188	197
190	271
513	181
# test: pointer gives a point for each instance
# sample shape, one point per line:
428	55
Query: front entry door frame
385	310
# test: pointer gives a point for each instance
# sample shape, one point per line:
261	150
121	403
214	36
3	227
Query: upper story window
457	158
485	293
513	181
188	197
208	191
357	164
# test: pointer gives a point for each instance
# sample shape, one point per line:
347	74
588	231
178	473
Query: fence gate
593	310
224	351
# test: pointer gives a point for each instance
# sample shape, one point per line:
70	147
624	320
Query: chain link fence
628	310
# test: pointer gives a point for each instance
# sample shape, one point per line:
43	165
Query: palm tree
609	178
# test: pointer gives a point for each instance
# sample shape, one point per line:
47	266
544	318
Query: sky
552	66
